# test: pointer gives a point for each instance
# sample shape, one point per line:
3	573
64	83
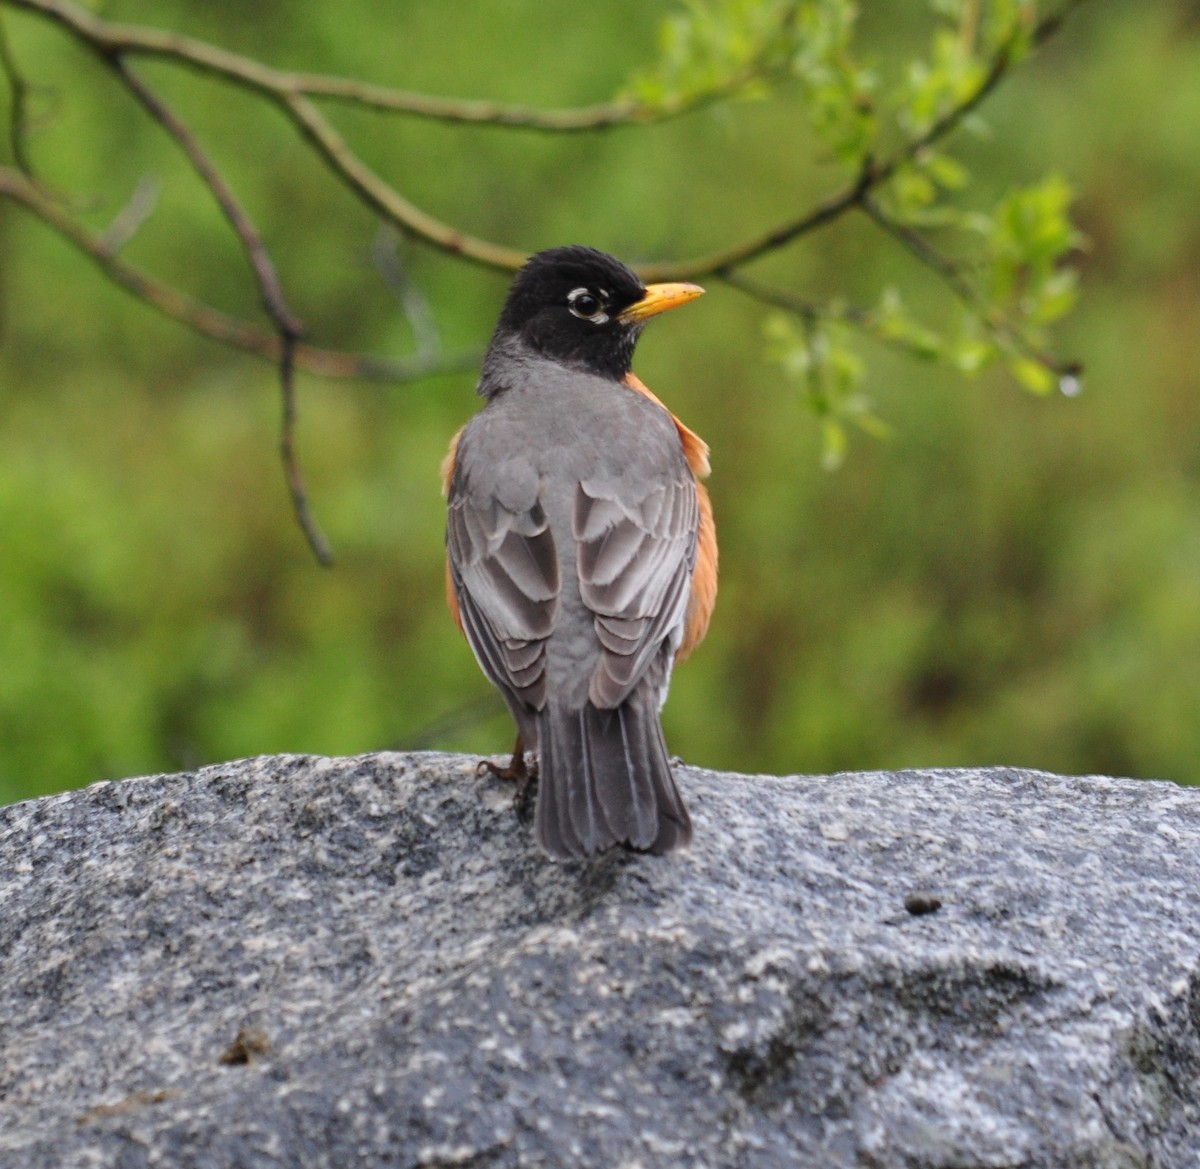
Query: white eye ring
578	302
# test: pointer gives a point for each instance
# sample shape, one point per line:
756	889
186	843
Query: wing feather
636	559
504	568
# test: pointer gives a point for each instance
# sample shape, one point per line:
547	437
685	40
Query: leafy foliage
718	47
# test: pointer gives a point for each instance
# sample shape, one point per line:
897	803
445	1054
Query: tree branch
112	42
871	176
292	93
287	325
267	278
384	198
291	460
212	322
1009	338
722	262
18	110
811	312
807	309
131	39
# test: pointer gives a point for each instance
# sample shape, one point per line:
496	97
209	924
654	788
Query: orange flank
704	580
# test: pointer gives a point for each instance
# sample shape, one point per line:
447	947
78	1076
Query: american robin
582	558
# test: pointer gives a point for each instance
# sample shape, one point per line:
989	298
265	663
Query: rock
295	961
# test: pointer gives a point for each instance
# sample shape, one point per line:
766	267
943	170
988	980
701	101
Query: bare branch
724	261
385	199
287	325
112	42
18	110
291	461
270	289
138	40
290	92
924	251
213	323
777	298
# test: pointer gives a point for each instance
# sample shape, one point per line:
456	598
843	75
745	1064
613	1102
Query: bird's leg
523	796
525	778
516	768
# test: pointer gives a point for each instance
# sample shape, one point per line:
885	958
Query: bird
581	550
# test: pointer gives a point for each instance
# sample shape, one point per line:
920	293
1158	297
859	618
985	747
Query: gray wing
505	573
636	559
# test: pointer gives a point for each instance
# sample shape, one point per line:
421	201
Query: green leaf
1055	297
971	355
895	325
947	172
718	46
870	423
833	444
911	191
1033	375
787	345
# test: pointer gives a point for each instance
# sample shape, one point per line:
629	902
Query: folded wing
505	575
636	557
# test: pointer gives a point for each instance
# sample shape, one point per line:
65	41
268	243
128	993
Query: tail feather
605	780
558	740
625	763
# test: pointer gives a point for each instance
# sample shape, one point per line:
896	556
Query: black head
584	308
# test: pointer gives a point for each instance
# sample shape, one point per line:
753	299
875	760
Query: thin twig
811	311
18	109
923	250
291	460
112	37
384	198
270	288
211	322
870	177
466	716
112	40
265	274
1003	332
789	302
727	259
385	253
130	218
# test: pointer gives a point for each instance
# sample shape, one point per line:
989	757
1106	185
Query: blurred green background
1009	579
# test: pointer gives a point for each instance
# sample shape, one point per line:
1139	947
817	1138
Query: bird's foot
513	772
516	768
518	772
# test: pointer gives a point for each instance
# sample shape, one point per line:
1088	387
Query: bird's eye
586	305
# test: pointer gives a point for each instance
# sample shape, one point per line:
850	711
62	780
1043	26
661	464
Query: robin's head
584	308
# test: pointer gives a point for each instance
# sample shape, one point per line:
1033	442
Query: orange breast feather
447	478
704	579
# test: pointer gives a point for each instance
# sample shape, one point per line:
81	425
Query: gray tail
604	780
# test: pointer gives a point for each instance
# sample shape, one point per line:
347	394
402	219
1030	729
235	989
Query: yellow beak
659	298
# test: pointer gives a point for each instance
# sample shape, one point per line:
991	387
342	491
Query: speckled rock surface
363	962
